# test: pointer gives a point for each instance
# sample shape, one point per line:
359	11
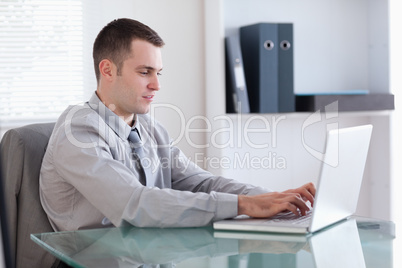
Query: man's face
135	87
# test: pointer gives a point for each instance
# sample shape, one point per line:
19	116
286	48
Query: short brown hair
114	41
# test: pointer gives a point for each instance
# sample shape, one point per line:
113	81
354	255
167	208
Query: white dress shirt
89	178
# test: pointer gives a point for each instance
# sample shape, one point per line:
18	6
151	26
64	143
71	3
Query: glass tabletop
357	242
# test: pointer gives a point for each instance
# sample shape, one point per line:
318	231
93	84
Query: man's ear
106	69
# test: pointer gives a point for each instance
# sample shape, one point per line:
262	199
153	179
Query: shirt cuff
226	206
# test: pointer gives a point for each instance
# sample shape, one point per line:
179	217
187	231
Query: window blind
41	58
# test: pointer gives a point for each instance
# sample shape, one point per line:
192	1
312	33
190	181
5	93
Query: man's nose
155	83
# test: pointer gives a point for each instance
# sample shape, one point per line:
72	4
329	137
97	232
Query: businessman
108	163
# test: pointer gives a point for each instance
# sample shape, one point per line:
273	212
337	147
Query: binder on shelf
236	88
267	50
285	68
260	56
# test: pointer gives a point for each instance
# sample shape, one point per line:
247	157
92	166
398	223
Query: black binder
236	88
267	50
286	96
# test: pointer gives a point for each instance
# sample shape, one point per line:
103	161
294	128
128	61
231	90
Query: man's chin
143	111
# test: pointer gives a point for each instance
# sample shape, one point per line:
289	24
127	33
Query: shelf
346	103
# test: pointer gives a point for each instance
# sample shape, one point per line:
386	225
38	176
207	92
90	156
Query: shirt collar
117	124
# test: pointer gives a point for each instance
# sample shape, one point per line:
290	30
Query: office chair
5	255
22	151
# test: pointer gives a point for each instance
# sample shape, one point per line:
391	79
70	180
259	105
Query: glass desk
357	242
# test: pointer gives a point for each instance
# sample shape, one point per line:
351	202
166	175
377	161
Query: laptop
337	192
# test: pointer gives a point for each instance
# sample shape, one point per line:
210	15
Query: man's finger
307	195
297	203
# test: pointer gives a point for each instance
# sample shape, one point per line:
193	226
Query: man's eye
158	74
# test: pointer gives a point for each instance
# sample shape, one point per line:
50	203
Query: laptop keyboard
290	218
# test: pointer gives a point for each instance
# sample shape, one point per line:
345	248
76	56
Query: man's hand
270	204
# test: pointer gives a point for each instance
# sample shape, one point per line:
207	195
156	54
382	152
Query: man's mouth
149	97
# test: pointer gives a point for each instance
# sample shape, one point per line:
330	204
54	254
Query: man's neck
130	119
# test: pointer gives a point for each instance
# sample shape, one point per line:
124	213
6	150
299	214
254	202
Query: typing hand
270	204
